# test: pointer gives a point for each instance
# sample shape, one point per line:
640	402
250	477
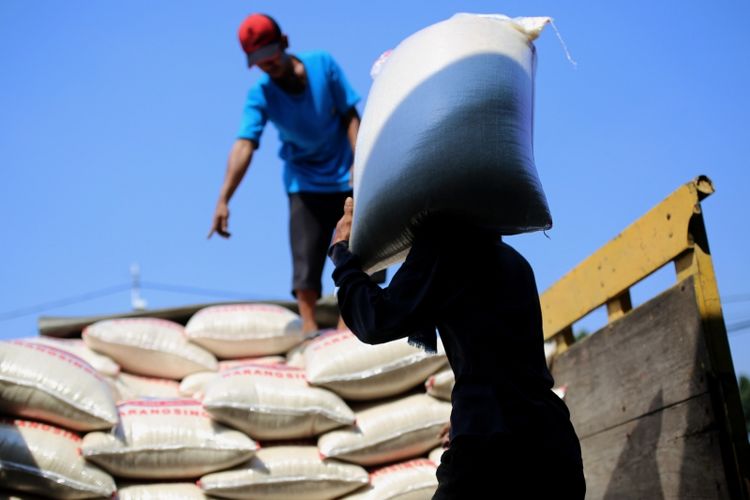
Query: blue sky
117	119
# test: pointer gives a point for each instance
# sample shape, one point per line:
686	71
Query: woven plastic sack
448	129
387	432
44	459
274	402
150	347
101	363
296	355
41	382
354	370
130	386
286	472
412	480
166	439
194	384
440	385
160	491
245	330
436	455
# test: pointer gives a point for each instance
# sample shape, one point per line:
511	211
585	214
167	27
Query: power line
740	325
191	290
103	292
738	297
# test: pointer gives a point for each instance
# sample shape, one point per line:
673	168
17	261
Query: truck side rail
671	232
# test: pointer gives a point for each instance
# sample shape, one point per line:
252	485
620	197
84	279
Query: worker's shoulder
318	59
511	256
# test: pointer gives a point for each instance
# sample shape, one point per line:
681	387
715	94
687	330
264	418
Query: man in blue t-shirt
307	97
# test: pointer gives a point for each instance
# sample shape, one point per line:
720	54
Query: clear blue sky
116	119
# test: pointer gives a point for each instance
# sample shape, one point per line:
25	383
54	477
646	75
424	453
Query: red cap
260	37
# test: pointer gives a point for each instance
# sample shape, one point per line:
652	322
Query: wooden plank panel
672	453
613	375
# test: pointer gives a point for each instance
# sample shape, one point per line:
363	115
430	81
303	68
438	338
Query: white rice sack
274	402
130	386
412	480
160	491
244	330
101	363
341	362
42	382
194	384
149	346
387	432
44	459
166	439
441	384
285	472
448	128
354	370
296	355
436	455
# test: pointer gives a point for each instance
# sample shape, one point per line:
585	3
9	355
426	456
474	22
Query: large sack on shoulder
160	491
412	480
284	472
194	384
274	402
44	459
448	129
166	439
244	330
101	363
387	432
42	382
150	347
354	370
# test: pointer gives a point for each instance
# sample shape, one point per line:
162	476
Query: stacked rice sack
212	409
146	404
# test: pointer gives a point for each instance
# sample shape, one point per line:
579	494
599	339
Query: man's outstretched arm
237	165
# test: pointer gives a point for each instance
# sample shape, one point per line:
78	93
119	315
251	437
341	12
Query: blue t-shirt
315	148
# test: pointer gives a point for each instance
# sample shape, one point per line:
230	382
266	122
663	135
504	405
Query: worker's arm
405	308
237	165
351	124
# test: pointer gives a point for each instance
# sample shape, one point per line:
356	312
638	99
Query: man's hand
344	226
445	435
220	223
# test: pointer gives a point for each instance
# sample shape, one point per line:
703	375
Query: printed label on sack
176	407
332	338
412	464
233	308
66	356
39	426
269	371
161	323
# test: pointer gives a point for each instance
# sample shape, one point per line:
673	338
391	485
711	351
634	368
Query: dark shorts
312	219
495	467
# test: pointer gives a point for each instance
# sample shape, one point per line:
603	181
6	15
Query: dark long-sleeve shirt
481	296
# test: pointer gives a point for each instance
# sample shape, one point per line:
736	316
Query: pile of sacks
236	404
145	407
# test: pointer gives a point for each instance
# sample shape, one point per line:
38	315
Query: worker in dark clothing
510	435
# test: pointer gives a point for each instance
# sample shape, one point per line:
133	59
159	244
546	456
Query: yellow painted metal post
697	263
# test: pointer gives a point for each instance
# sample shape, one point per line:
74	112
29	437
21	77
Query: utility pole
137	302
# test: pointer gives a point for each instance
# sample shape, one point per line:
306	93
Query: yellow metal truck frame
673	231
